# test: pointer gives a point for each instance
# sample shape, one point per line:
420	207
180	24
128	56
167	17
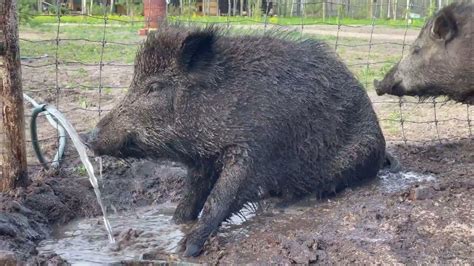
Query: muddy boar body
249	116
440	61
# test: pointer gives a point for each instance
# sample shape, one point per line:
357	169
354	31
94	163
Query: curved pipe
34	135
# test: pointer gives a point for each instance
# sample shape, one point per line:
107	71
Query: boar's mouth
130	148
395	88
125	148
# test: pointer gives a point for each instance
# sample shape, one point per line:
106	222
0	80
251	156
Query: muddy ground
427	222
424	222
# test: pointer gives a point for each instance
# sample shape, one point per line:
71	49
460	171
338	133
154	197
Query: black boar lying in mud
441	60
249	116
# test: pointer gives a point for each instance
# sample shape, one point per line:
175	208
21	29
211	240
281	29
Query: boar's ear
196	49
444	26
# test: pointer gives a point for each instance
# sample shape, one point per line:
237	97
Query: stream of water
81	149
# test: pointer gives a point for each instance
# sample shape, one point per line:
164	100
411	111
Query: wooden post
14	147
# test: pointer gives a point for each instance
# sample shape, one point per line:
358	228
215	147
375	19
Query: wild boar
440	61
250	116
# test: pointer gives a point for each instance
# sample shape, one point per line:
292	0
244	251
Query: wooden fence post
14	166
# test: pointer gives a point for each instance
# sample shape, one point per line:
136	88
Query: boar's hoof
190	248
183	217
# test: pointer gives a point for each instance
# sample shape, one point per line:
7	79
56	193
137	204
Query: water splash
393	182
81	242
82	150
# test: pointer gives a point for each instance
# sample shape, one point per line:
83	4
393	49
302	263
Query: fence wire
85	68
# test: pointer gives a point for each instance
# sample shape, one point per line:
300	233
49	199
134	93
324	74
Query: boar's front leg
225	198
198	185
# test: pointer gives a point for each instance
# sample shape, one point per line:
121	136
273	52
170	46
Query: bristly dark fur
250	116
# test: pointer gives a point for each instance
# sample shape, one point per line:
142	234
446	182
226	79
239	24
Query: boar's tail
391	163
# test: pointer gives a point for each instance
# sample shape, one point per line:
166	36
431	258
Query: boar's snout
389	86
378	88
90	138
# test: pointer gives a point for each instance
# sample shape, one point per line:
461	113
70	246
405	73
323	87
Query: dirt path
376	33
365	32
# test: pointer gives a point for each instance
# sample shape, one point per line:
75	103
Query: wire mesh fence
84	63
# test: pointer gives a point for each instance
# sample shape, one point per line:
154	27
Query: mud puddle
393	182
146	230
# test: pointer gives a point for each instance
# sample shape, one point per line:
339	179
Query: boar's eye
153	87
416	49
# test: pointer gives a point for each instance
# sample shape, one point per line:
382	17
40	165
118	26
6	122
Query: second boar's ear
444	26
196	50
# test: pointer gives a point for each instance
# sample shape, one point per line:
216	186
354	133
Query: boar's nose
90	138
378	88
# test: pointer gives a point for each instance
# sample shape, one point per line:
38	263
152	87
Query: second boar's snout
378	88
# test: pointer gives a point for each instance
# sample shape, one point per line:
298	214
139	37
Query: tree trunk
83	7
381	9
14	172
389	3
249	8
369	9
407	12
395	9
111	6
324	10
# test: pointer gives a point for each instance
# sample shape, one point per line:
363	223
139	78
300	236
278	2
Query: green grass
367	75
294	21
83	51
90	52
285	21
392	122
111	19
80	170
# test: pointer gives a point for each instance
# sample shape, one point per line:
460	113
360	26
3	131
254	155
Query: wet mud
421	216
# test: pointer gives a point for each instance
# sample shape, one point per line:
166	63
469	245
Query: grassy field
81	38
284	21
